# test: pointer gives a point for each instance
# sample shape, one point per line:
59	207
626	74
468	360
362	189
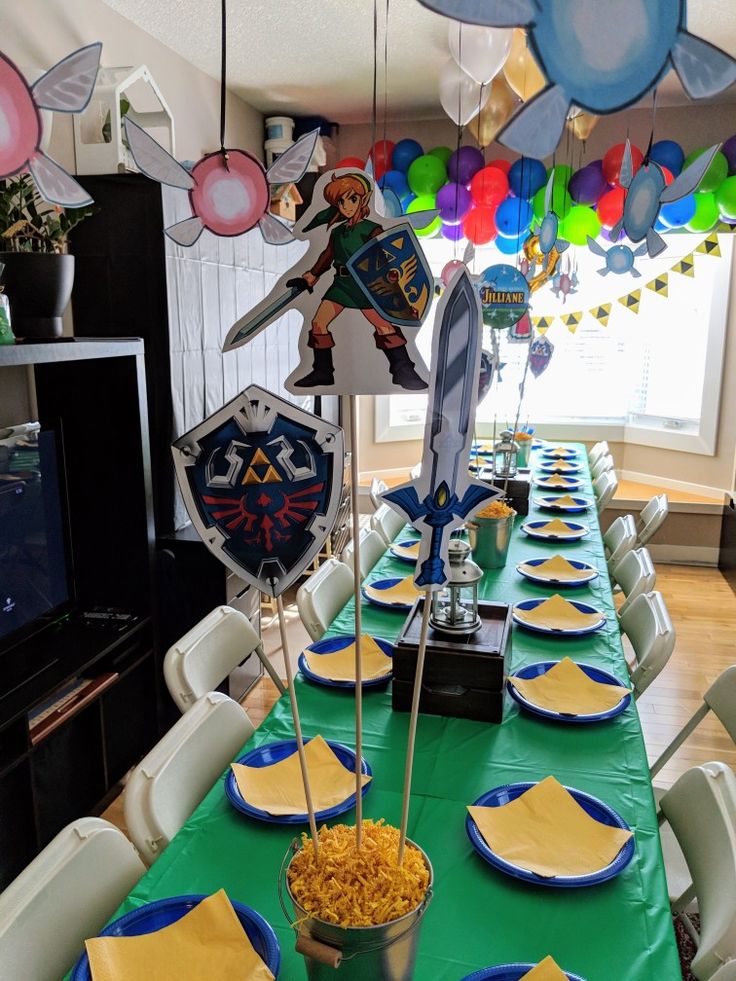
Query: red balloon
610	206
668	175
355	162
489	187
381	156
479	225
614	158
504	165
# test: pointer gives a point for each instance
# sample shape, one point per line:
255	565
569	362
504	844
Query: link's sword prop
251	325
444	494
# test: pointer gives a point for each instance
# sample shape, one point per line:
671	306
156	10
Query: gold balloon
495	113
521	70
582	124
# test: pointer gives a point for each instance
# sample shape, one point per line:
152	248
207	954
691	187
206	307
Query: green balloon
538	203
562	172
726	198
425	202
427	174
580	222
442	153
715	175
706	212
561	201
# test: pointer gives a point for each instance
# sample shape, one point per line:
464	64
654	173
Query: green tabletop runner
618	931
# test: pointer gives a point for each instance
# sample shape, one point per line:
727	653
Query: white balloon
461	96
480	51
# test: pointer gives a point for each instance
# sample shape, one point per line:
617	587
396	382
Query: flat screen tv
36	582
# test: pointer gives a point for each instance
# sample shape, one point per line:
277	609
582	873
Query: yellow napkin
546	970
564	501
557	613
555	568
482	448
554	481
340	665
547	832
407	551
560	451
567	688
404	592
207	944
564	465
278	789
557	527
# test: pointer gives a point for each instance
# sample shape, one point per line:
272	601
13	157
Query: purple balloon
729	152
453	232
587	185
464	164
606	234
453	203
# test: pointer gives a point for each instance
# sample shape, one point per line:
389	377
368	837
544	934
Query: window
651	378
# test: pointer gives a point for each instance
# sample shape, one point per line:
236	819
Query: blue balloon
405	202
526	176
404	155
678	213
513	216
395	181
668	154
659	226
509	246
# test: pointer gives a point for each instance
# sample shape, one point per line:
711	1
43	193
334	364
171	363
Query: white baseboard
717	493
685	554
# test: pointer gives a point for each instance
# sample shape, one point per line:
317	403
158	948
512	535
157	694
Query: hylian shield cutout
261	480
394	276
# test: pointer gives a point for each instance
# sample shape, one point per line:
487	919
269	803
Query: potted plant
39	274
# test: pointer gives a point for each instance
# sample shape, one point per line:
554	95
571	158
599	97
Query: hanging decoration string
223	78
385	73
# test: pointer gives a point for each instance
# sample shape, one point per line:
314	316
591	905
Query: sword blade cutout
444	495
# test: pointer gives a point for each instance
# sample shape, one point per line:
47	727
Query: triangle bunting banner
572	320
542	324
631	301
710	246
601	313
686	266
659	284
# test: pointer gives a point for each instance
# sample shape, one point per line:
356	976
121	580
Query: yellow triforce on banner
631	300
572	320
659	284
710	246
542	324
601	313
686	266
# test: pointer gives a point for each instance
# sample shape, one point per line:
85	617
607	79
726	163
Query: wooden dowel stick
413	722
354	504
297	727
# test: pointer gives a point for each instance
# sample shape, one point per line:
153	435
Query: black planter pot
39	287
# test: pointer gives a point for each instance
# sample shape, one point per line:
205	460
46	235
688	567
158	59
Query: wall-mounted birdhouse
99	140
285	199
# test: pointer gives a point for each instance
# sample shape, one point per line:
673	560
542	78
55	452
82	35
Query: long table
618	931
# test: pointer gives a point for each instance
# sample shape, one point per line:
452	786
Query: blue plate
530	604
565	454
548	501
384	584
162	913
406	543
591	805
588	573
597	674
571	483
274	753
333	644
550	466
509	972
531	528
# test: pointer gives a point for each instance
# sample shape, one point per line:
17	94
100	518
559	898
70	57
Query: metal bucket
386	952
525	449
490	539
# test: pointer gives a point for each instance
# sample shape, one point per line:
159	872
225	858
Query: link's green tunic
344	243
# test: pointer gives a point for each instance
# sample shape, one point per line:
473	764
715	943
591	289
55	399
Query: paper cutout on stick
261	480
444	495
67	87
641	45
363	289
229	191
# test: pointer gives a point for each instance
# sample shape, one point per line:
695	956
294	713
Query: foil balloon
540	355
521	70
495	113
582	124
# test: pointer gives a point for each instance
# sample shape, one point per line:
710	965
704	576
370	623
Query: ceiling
291	57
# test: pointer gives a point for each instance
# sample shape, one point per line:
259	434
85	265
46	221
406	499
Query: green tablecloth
618	931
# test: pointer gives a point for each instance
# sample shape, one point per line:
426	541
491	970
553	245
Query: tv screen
35	571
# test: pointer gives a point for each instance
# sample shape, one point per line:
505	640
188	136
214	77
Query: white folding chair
387	523
651	517
200	660
64	896
635	574
701	810
415	470
597	451
169	782
378	486
372	547
323	595
605	488
648	626
619	539
601	465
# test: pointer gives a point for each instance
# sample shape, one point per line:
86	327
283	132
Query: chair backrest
619	539
64	896
387	523
601	465
378	486
701	810
200	660
604	487
635	574
648	626
415	470
597	451
651	517
171	780
372	547
323	595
